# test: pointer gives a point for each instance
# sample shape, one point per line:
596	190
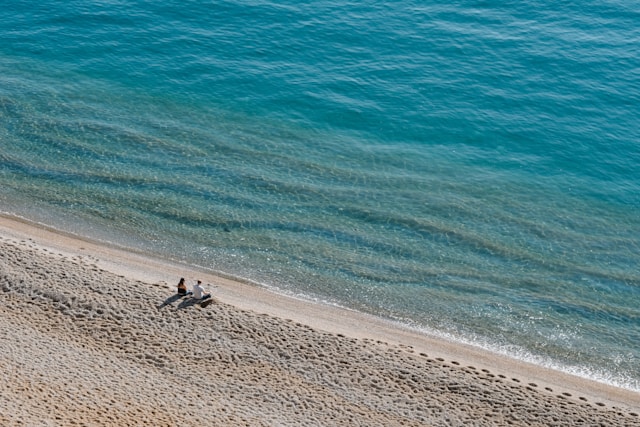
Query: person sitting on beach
199	292
182	288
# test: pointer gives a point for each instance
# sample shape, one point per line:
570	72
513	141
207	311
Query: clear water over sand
469	169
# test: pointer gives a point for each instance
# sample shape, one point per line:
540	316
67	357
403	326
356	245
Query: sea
469	169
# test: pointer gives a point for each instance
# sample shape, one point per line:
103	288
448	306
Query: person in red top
182	288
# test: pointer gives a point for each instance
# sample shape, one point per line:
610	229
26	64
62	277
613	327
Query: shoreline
343	324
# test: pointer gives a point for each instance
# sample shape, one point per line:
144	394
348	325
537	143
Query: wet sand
94	335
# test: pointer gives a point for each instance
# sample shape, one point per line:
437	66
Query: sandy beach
94	335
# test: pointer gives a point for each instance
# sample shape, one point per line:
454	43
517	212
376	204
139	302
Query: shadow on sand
170	300
189	302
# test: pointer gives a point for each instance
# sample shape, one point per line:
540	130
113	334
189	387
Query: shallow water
469	169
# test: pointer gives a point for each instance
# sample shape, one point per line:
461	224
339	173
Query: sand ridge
81	345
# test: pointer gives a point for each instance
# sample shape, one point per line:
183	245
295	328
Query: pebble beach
85	340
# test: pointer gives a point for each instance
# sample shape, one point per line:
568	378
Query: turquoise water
469	169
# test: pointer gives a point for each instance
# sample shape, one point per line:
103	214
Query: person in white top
199	292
